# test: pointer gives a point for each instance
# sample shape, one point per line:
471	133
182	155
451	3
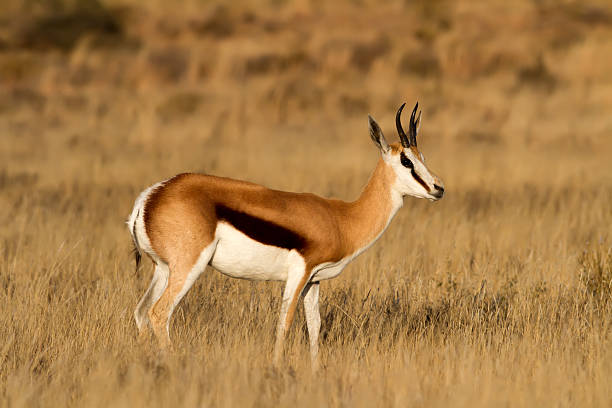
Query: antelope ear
377	135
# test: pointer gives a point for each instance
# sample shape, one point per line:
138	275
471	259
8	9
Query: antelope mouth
437	193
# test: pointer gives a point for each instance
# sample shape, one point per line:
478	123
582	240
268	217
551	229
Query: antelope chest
239	256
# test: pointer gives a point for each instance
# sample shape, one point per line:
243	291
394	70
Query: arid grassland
498	295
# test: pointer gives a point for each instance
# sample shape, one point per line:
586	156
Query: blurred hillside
95	78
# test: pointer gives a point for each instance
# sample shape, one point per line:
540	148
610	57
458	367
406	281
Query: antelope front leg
313	321
296	281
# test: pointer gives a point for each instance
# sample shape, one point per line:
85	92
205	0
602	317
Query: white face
413	176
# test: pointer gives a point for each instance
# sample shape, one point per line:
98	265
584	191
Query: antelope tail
136	249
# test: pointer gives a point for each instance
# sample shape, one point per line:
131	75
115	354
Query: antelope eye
406	161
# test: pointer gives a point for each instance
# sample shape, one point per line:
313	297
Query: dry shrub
364	54
273	64
28	97
422	62
294	96
537	76
63	27
219	23
354	105
18	68
169	64
179	106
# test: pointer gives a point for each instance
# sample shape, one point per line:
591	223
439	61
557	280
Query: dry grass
500	294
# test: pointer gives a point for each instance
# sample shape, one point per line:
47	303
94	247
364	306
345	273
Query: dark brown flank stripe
266	232
420	180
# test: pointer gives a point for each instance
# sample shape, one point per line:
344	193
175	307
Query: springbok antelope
247	231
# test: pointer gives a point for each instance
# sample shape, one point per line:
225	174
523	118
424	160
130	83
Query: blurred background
92	89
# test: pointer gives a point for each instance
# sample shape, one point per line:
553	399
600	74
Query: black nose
440	189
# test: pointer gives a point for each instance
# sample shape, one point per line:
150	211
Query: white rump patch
136	221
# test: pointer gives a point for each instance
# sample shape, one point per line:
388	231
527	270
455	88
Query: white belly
239	256
329	271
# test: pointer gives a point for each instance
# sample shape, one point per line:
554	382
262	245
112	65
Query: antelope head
407	162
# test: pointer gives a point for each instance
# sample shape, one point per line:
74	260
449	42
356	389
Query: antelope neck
371	213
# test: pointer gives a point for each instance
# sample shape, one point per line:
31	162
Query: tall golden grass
500	294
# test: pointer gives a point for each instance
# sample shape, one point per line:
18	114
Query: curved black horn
412	128
398	123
